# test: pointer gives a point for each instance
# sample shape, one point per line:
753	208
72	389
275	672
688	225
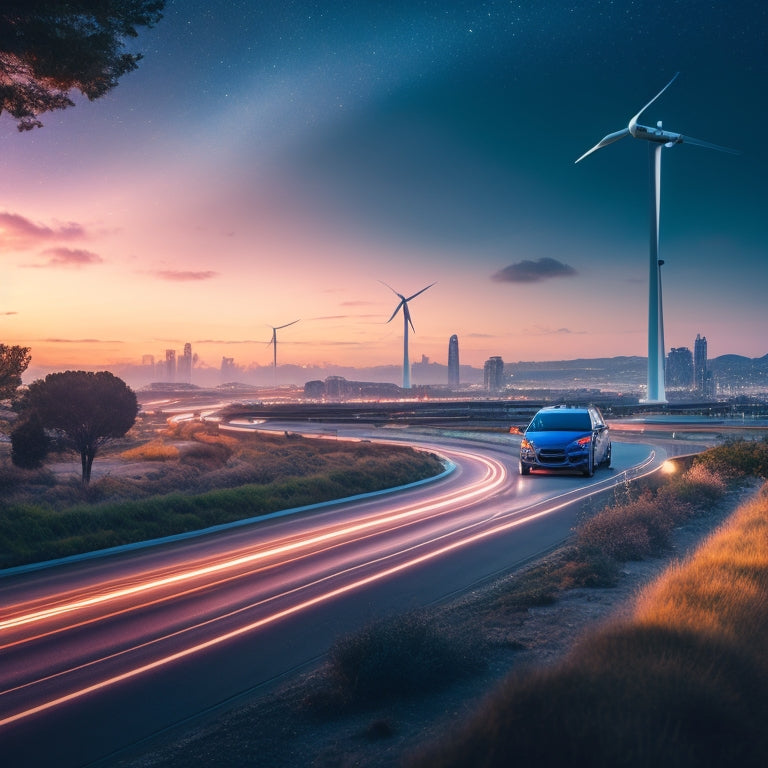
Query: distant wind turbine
406	322
273	342
658	139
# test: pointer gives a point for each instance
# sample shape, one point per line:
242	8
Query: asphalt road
98	655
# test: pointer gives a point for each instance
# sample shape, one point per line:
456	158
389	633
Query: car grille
553	455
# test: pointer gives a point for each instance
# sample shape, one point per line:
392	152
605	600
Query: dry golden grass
155	450
723	589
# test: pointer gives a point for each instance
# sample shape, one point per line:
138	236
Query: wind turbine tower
273	342
406	322
658	139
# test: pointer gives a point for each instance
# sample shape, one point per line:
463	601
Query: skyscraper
700	363
170	365
680	367
185	364
493	374
453	361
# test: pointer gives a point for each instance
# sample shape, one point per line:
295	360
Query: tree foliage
13	362
49	48
29	443
88	409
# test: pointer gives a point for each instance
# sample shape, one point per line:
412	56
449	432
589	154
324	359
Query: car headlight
526	445
582	444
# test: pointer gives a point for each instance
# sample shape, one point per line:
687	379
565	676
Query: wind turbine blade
707	145
419	292
397	308
605	141
393	290
633	121
278	327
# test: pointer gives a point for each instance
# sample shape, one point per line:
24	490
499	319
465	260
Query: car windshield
561	421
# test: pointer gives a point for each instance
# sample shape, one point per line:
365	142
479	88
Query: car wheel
607	460
524	469
590	469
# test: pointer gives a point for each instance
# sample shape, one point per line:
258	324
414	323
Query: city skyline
269	163
735	374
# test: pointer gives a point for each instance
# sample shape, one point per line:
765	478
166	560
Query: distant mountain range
729	372
732	374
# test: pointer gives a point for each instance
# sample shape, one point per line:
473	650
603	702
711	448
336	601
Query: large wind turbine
406	321
658	139
273	342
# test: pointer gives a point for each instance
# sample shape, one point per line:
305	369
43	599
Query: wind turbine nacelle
656	134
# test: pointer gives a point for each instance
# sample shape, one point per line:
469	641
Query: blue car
566	438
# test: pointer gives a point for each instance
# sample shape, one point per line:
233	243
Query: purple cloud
18	232
69	258
533	271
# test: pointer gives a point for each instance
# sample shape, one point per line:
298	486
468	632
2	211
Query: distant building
493	374
338	388
185	365
679	368
700	364
228	369
453	361
170	365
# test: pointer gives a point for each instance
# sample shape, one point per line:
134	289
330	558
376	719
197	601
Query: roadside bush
205	456
699	485
29	443
737	458
628	532
593	569
155	450
404	655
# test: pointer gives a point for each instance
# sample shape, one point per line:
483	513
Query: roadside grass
390	658
682	682
195	479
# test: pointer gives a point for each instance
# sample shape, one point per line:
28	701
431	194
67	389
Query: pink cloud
182	276
18	232
80	341
69	257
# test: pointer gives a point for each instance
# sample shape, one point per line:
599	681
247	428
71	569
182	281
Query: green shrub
589	568
405	655
737	458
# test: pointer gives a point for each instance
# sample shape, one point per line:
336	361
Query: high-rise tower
453	361
700	363
184	366
170	365
493	374
679	368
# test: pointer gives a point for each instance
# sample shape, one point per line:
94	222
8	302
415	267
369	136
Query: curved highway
98	655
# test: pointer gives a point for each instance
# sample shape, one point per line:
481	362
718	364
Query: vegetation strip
224	479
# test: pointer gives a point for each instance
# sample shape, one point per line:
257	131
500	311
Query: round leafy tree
87	409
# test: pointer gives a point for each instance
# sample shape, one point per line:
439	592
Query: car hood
550	439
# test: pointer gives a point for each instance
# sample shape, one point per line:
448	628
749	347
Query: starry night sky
275	160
